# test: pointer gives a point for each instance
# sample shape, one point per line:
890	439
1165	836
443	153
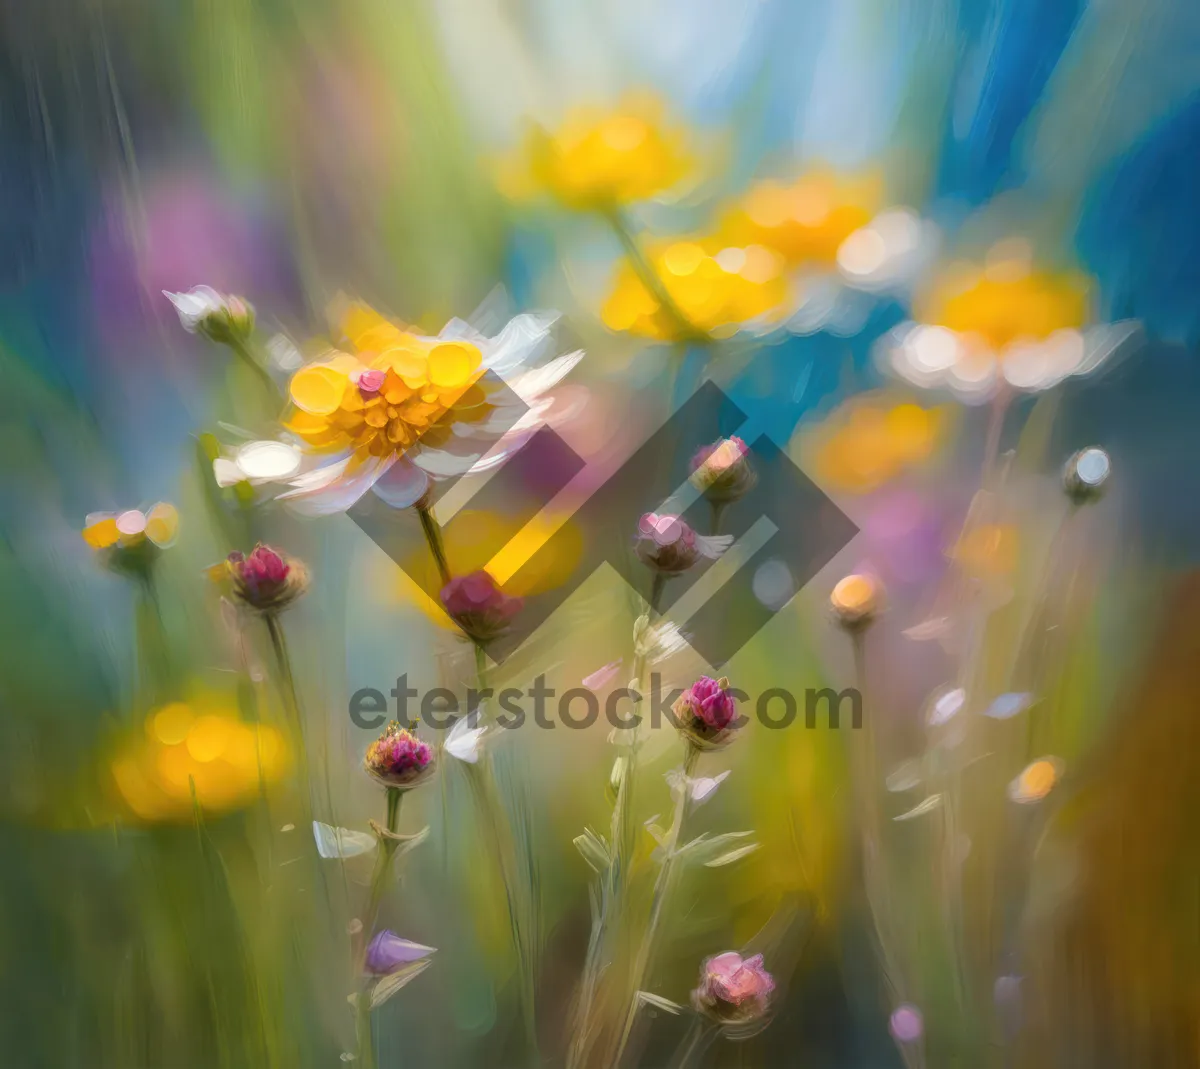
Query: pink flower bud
479	606
706	712
722	470
266	580
398	758
370	381
733	990
666	544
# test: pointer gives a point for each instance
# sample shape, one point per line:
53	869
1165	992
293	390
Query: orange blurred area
872	439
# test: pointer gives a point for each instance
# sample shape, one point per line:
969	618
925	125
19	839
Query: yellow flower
130	542
196	753
807	221
870	440
399	408
715	288
1005	321
600	159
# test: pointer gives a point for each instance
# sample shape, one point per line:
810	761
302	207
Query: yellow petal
451	363
162	524
102	533
318	389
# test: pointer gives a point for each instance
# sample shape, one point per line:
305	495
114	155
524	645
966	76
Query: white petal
341	842
463	740
335	487
226	472
945	705
532	384
519	343
712	546
402	484
268	460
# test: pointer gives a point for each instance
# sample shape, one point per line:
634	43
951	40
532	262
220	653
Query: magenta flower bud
387	953
906	1024
722	471
266	580
666	544
479	606
705	713
399	759
370	381
733	991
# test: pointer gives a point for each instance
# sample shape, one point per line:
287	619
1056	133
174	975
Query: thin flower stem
615	878
699	1036
717	512
386	851
287	686
649	278
494	823
242	351
433	536
662	889
152	646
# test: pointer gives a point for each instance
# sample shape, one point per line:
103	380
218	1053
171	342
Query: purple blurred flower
479	606
733	990
906	1024
387	953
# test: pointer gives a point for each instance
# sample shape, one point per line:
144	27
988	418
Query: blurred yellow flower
977	326
806	221
196	753
107	530
602	159
870	440
715	288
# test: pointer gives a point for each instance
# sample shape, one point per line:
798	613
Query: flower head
130	541
398	758
807	221
1085	476
395	408
856	600
219	317
479	606
667	544
706	713
600	159
715	287
1006	323
388	953
266	580
906	1024
1037	780
733	990
722	470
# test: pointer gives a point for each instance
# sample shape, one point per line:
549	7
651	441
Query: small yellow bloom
716	288
599	159
856	600
806	221
1036	781
870	440
196	753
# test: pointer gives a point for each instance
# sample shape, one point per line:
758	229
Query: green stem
242	352
287	687
152	646
649	278
379	879
717	512
433	536
493	818
616	876
662	889
699	1036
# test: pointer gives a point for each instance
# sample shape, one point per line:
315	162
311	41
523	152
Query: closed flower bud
399	759
221	318
666	544
856	601
266	580
1085	475
479	606
706	713
722	471
388	953
733	991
